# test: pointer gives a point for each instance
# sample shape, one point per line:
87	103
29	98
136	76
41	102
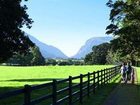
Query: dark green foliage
78	62
64	62
70	62
125	25
33	57
38	59
51	62
113	57
12	39
20	59
98	56
88	58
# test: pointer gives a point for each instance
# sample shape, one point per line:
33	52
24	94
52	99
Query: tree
38	59
33	57
88	58
125	26
98	54
51	62
113	57
21	59
12	39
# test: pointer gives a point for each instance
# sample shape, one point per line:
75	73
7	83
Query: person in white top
123	72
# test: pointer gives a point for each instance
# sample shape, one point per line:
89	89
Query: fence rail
93	81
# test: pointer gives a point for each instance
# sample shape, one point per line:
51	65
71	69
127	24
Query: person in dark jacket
129	71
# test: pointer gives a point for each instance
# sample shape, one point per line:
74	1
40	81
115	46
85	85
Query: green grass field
19	76
16	77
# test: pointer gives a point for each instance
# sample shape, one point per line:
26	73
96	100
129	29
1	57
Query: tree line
102	54
30	60
64	62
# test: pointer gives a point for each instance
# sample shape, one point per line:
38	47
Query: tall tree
88	58
12	39
125	26
38	59
113	57
98	54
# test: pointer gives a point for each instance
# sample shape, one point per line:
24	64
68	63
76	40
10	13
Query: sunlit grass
19	76
16	77
138	74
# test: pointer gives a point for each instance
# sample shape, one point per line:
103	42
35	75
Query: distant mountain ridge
47	51
87	47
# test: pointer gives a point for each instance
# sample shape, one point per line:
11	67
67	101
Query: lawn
16	77
19	76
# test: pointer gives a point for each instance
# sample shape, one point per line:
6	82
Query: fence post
27	95
70	90
88	88
104	77
94	85
118	69
81	88
54	91
112	73
101	77
98	79
108	75
115	70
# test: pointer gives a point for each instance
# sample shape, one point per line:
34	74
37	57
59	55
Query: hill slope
87	47
47	51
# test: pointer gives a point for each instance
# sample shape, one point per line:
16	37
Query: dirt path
125	94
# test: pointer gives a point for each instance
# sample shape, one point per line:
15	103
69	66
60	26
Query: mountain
87	48
47	51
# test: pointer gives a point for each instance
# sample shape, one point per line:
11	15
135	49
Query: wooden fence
94	81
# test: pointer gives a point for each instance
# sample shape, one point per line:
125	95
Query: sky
67	24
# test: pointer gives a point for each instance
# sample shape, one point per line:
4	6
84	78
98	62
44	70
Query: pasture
16	77
19	76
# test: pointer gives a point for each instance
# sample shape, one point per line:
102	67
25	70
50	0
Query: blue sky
67	24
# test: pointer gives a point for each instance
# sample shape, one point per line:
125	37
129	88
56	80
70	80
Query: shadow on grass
19	99
94	99
33	80
100	95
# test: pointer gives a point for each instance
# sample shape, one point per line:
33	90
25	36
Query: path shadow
124	94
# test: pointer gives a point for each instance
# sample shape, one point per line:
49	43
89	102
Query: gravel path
125	94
